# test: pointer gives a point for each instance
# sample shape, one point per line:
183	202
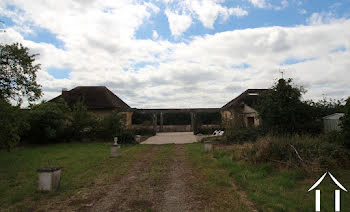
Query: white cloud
207	11
155	35
178	23
323	18
205	71
258	3
302	11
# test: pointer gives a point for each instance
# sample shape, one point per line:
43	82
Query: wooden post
193	122
161	122
154	122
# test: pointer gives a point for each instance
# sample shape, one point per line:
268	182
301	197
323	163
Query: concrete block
115	150
49	178
208	147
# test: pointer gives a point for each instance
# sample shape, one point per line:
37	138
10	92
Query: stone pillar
49	178
154	116
115	150
193	122
161	122
208	146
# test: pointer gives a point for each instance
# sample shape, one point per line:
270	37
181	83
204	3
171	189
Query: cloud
178	23
322	18
100	48
258	3
155	35
208	11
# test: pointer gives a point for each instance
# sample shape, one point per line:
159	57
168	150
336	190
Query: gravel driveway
171	138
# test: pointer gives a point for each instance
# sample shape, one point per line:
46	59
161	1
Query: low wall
166	128
175	128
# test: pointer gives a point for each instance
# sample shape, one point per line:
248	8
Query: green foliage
111	126
82	121
326	107
345	123
142	118
18	73
12	124
282	111
144	131
127	137
48	122
241	135
311	153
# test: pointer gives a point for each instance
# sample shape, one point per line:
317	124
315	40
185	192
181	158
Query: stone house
241	109
98	100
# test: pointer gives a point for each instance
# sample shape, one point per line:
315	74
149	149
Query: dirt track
154	183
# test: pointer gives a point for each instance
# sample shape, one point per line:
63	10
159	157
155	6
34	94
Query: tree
282	111
18	74
82	120
12	124
49	122
345	123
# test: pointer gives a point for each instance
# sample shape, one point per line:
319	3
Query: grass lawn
85	164
282	190
212	182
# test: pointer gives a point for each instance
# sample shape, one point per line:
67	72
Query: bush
206	130
110	126
311	153
48	123
12	125
82	122
345	124
234	133
127	137
144	131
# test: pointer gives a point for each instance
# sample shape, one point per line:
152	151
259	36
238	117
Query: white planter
115	150
49	178
138	138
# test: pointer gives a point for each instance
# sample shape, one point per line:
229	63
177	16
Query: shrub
311	153
48	122
240	135
345	124
110	126
82	122
127	137
12	124
206	130
144	131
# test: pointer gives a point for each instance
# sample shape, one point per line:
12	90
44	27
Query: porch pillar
154	116
161	122
193	122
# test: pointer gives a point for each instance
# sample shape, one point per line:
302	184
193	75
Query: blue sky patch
292	61
242	66
59	73
339	49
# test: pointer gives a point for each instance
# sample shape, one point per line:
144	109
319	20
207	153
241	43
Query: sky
184	53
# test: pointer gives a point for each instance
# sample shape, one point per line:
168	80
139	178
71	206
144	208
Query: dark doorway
250	122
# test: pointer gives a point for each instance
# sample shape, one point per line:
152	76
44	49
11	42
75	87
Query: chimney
64	92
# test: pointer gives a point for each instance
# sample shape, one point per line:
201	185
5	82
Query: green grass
283	190
85	164
212	182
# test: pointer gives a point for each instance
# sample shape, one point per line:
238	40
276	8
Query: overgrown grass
282	189
85	164
212	182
